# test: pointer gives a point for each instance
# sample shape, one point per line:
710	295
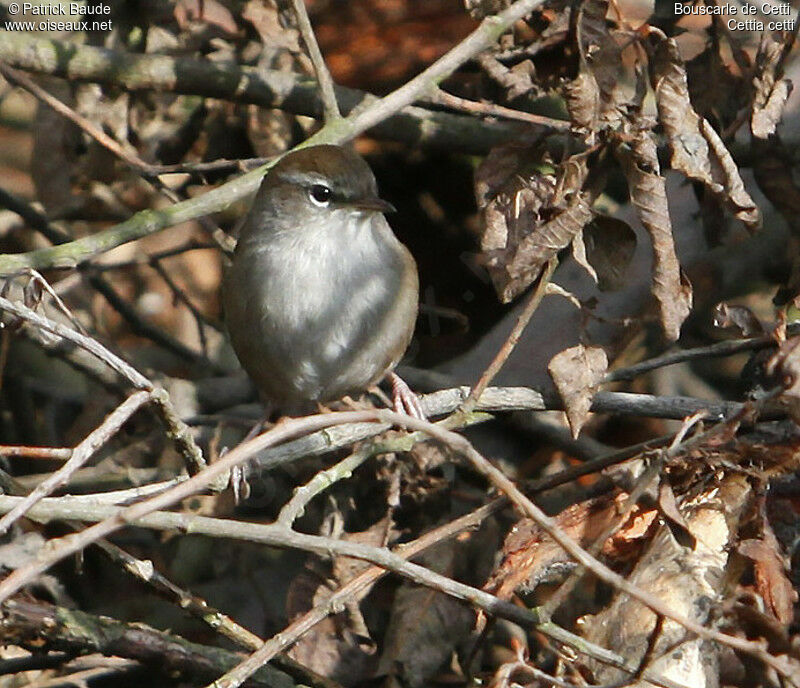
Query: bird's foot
239	474
403	399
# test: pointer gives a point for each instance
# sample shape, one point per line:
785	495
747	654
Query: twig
487	33
292	633
326	86
139	325
508	346
200	320
321	481
33	217
441	97
80	455
142	514
269	651
75	543
38	623
50	453
199	608
149	259
150	221
144	328
133	376
728	348
22	80
596	465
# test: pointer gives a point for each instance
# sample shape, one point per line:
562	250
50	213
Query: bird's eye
320	194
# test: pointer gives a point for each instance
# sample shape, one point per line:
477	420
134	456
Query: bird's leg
239	473
403	399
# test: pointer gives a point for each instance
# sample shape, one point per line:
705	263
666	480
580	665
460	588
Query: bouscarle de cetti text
748	21
767	8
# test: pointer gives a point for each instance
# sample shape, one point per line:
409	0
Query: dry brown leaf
739	317
770	574
531	557
582	98
770	91
531	210
425	625
340	646
207	11
266	21
576	372
697	150
610	245
596	95
649	196
669	508
332	647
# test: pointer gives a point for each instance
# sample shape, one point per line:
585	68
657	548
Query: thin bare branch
342	130
511	341
227	81
326	86
549	526
441	97
24	81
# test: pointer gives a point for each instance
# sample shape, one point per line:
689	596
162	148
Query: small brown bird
321	298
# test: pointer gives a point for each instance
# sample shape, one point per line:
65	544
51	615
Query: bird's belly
318	333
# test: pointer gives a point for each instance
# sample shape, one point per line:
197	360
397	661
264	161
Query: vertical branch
327	93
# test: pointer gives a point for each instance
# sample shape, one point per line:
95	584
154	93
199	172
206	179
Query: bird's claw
403	398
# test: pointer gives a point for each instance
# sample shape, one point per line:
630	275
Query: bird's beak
374	203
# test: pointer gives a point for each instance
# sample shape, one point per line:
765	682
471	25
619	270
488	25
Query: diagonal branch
326	86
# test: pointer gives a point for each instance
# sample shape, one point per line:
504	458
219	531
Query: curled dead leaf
771	580
576	373
671	288
610	245
696	149
770	91
595	96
